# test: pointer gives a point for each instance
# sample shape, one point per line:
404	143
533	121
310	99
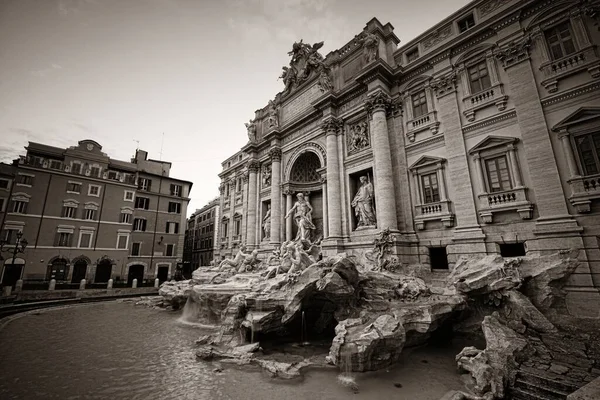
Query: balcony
583	191
438	211
485	98
507	200
557	69
421	123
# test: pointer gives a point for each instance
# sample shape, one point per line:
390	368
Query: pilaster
276	214
253	167
332	127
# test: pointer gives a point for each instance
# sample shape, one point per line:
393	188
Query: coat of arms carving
306	62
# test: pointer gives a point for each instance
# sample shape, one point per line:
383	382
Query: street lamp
20	245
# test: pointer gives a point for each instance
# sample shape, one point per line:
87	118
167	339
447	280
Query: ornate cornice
431	141
569	94
275	154
444	85
514	52
332	126
490	121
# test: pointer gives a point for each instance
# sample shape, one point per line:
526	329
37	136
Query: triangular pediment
427	160
493	141
581	116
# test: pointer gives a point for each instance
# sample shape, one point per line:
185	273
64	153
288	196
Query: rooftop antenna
161	145
138	144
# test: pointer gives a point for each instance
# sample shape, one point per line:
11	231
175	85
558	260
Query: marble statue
370	43
289	78
363	204
306	60
266	223
266	176
273	112
251	128
236	262
302	211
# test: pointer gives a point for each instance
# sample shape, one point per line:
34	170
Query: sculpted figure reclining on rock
242	262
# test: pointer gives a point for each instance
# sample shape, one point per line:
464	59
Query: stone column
325	211
514	166
332	127
288	221
253	167
441	183
568	150
480	177
378	104
416	189
275	154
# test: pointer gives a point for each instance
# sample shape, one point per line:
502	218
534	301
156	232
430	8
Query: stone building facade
201	236
479	136
86	215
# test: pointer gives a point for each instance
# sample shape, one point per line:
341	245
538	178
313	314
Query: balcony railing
507	200
573	63
491	96
438	211
583	190
422	122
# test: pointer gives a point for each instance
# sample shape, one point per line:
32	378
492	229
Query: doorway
79	271
12	273
103	271
58	270
135	272
162	274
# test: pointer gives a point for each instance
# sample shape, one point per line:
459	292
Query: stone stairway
439	279
530	385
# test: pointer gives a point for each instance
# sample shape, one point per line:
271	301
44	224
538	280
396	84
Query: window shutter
176	227
56	239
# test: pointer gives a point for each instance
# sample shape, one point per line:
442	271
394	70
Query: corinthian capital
332	126
514	52
275	154
378	101
444	84
253	166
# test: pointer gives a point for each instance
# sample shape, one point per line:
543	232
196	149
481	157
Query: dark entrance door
79	271
58	270
12	273
135	272
162	274
103	271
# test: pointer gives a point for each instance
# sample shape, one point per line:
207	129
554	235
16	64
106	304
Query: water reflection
119	351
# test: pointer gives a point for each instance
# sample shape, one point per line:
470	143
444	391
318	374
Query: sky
192	71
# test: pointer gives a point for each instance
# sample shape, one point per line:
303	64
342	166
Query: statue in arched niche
363	204
302	211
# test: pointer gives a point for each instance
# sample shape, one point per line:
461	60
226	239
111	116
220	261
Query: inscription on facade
300	104
350	104
300	132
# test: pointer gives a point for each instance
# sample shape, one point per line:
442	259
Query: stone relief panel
357	137
438	36
266	176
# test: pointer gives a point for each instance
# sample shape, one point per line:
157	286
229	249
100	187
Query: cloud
13	143
45	71
83	127
69	7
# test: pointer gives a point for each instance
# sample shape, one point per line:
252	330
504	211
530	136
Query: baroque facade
479	136
201	236
88	216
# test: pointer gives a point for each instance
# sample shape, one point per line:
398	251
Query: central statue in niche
363	204
303	217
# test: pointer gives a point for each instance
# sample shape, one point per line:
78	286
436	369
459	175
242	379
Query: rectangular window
76	168
412	55
9	236
63	239
90	214
466	23
73	187
56	164
142	203
498	175
139	225
172	227
122	242
238	227
175	190
136	249
174	207
95	172
35	161
4	183
113	175
128	195
69	212
225	228
438	258
94	190
19	207
85	240
25	180
170	250
479	77
588	147
419	104
512	249
125	218
560	41
144	184
431	192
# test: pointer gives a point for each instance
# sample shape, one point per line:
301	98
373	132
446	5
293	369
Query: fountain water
303	332
190	313
346	378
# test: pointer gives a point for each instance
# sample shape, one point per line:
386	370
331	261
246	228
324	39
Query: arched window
305	168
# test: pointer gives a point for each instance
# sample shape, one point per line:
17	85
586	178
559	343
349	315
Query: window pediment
491	142
416	83
583	115
21	195
426	161
478	53
549	15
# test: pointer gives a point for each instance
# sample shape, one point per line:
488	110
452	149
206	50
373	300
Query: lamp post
20	246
